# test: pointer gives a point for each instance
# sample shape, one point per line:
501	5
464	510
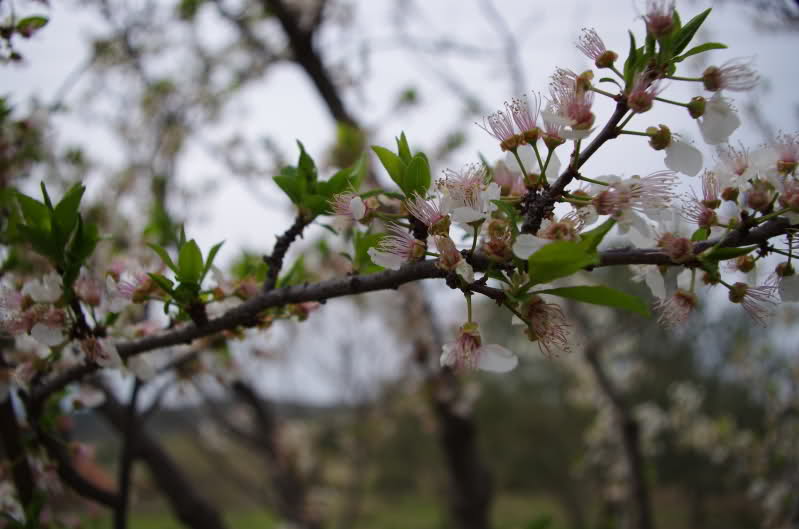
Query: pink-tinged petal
719	121
495	358
358	208
465	215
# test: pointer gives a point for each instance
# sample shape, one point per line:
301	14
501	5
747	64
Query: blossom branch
275	261
245	313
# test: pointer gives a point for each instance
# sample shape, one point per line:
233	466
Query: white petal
358	208
683	158
384	259
448	355
515	320
526	245
47	335
109	357
654	280
719	122
465	270
466	215
494	357
141	367
789	289
553	169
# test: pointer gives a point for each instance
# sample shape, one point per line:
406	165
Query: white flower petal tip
526	245
358	208
496	359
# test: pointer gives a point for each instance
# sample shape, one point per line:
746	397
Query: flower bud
745	263
730	193
696	107
784	270
607	59
659	137
711	78
738	292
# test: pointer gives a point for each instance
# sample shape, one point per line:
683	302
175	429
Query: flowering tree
521	232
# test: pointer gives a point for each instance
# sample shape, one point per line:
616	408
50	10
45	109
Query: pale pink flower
510	182
759	302
642	194
570	104
500	126
676	310
787	149
546	324
468	352
735	163
736	75
102	351
396	249
465	195
525	117
643	93
348	205
13	318
593	47
427	212
683	157
44	290
659	17
702	211
450	259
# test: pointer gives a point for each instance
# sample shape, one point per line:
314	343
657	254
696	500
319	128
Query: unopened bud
745	263
730	193
607	59
696	107
659	137
784	269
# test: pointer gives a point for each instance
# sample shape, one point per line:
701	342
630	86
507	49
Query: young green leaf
394	165
403	149
591	239
722	254
209	261
190	263
30	25
700	49
417	176
306	167
687	32
164	256
35	213
558	259
601	295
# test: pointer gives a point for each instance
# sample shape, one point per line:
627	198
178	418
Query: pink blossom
396	249
468	352
546	324
348	205
525	117
101	351
570	104
593	47
426	211
659	17
651	192
787	149
736	75
676	310
759	302
643	93
500	126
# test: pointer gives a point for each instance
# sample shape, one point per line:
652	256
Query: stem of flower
575	154
626	120
538	157
771	215
616	71
600	91
669	101
586	179
514	311
634	133
468	307
521	166
543	177
678	78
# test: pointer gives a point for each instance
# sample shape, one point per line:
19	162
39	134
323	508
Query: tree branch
275	261
391	279
10	436
126	459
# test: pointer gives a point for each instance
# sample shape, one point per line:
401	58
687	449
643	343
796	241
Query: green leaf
558	259
164	256
306	167
417	176
41	242
591	239
393	164
687	32
85	241
700	234
403	149
65	214
361	262
511	212
601	295
163	282
700	49
294	185
629	64
34	212
190	263
209	261
317	205
349	178
722	254
610	80
30	25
